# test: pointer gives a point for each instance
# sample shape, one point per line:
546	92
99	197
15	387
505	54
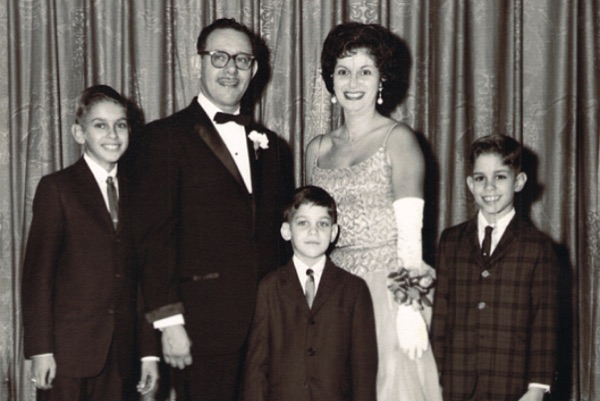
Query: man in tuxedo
211	188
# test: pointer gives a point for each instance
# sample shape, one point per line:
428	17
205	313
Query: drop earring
380	98
333	99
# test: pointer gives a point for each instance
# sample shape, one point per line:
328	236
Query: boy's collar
317	267
98	170
502	222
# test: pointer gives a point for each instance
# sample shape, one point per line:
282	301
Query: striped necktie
310	287
113	201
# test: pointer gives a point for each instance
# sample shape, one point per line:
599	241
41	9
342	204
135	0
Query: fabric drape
529	69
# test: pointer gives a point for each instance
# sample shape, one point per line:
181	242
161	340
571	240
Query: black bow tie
222	118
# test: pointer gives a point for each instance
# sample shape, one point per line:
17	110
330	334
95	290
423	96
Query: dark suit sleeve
440	303
364	347
542	357
155	220
256	370
41	261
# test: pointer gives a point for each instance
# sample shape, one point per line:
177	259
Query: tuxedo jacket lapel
255	165
213	140
209	134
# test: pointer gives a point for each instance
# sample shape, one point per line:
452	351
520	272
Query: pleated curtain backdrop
526	68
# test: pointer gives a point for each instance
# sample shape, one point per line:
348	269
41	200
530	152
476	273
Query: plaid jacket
494	323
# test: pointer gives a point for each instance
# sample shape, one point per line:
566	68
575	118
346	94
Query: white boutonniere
259	140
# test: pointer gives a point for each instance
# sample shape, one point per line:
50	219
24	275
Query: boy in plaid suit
494	319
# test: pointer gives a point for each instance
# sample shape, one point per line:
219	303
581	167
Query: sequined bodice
364	197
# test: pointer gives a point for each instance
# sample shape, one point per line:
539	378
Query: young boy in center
495	316
79	287
313	333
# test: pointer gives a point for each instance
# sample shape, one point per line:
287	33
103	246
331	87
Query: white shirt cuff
545	387
168	321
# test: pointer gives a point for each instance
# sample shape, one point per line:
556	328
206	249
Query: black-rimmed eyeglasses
219	59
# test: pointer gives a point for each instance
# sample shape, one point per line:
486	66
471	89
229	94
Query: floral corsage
259	140
411	290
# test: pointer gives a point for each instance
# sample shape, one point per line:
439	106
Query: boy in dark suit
303	350
79	284
494	319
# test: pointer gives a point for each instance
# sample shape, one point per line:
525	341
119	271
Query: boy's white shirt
317	268
100	174
500	227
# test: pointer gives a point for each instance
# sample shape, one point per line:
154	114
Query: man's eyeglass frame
228	56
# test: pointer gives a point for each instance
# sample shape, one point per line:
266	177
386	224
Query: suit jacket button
485	274
312	321
111	311
311	351
481	305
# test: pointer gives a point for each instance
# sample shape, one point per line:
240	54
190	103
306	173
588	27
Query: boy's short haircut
312	195
96	94
504	146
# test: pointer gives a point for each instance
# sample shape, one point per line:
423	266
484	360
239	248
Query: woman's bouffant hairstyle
389	52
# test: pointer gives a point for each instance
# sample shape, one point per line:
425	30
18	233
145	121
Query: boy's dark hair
225	23
312	195
507	148
96	94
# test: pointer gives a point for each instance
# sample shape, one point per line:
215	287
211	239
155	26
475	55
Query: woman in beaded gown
374	168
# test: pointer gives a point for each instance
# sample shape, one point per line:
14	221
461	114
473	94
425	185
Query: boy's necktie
486	246
310	287
113	201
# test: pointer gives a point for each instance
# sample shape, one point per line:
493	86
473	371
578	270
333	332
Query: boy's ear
335	229
520	181
286	232
77	132
470	183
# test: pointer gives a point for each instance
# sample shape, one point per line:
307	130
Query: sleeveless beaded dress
366	247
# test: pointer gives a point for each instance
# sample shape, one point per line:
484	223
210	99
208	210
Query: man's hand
533	394
176	346
149	377
43	371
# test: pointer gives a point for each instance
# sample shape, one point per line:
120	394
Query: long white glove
410	326
409	221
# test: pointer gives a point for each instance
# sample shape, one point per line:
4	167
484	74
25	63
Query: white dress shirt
234	136
499	228
317	269
100	174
